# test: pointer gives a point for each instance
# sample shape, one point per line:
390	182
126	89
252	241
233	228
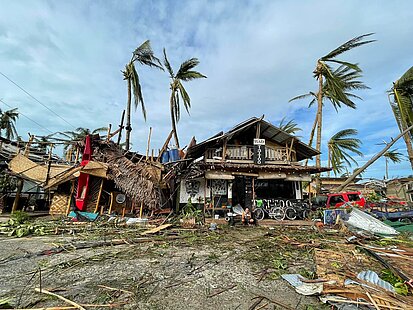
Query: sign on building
259	151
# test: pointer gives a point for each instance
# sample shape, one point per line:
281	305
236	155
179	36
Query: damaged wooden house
107	181
253	160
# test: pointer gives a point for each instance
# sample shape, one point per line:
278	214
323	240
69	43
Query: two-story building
255	159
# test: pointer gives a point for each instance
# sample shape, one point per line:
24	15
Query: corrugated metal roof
268	131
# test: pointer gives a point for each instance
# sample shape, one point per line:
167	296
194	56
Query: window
336	199
353	197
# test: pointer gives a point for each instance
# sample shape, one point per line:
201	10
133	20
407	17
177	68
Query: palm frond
137	90
189	75
394	156
290	127
302	96
353	43
184	96
168	65
145	55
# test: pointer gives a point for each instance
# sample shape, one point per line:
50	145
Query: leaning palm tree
373	159
145	56
184	74
402	106
332	83
290	127
8	123
393	156
339	147
350	81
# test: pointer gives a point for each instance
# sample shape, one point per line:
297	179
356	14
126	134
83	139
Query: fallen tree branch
77	306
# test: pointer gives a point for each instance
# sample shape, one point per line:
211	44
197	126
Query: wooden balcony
244	154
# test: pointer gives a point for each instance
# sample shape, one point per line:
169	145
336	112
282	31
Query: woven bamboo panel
93	194
59	204
27	168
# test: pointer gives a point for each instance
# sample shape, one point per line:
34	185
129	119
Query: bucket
173	155
165	157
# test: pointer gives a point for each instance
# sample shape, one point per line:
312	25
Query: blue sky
256	54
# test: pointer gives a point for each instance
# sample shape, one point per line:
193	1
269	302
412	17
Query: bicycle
267	207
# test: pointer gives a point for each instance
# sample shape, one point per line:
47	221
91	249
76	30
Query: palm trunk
128	108
319	127
402	126
329	160
387	169
372	160
173	119
312	136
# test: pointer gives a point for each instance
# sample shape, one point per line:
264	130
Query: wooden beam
99	195
121	127
258	132
165	145
108	134
149	143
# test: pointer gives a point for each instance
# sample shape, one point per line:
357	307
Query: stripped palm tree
8	123
402	105
339	147
393	156
290	127
145	56
184	74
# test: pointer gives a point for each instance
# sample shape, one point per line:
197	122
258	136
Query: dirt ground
198	269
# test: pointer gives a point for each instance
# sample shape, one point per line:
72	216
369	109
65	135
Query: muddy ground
178	269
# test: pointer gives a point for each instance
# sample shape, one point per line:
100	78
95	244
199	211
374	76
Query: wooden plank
156	229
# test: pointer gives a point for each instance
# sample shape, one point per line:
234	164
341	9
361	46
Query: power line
41	126
34	98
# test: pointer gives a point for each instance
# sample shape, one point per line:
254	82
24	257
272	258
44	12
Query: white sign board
259	141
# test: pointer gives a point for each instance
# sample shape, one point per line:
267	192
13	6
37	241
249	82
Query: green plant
399	286
189	211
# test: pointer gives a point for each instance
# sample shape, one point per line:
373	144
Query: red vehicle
337	200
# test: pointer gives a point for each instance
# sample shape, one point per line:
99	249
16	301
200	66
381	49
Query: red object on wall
84	179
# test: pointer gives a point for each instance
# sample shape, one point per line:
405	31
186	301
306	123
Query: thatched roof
140	181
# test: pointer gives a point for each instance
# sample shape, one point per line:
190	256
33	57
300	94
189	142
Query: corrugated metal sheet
268	131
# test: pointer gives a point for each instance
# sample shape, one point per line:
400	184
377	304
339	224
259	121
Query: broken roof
268	131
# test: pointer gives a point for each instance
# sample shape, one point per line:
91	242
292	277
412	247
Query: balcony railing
246	152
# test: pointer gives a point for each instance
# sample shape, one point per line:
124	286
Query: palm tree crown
145	56
184	74
8	123
339	147
290	127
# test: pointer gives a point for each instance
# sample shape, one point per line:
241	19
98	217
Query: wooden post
72	189
224	150
111	203
121	127
49	164
205	186
99	195
258	132
165	145
108	134
77	155
20	180
149	143
141	210
291	149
